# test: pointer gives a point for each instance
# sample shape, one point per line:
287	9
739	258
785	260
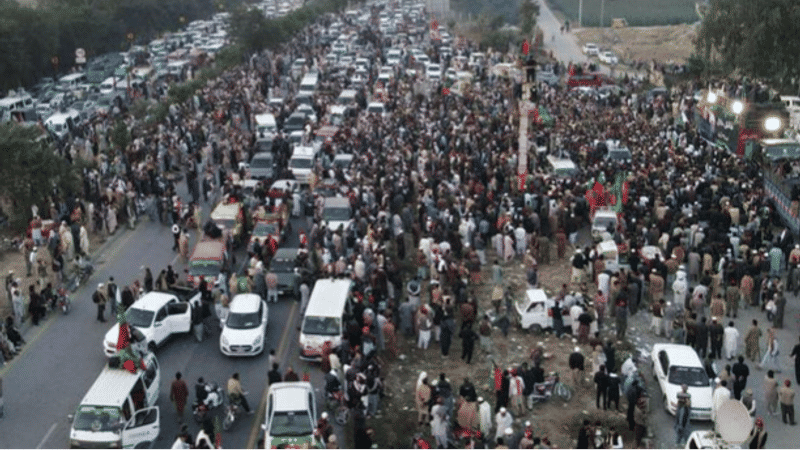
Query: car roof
337	202
112	386
291	396
152	301
679	355
245	303
536	296
208	249
226	210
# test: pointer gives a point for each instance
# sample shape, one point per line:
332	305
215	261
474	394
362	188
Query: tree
30	171
528	12
753	37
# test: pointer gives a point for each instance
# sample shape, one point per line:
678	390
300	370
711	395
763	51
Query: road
63	356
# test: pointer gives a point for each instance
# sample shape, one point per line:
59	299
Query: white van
336	211
323	320
308	85
16	103
266	127
109	85
336	114
72	82
302	163
59	124
347	98
119	409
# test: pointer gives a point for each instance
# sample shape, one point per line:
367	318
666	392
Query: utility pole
602	12
580	13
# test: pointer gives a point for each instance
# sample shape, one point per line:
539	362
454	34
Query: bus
736	124
779	161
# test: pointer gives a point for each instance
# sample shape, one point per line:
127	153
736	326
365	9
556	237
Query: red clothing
178	393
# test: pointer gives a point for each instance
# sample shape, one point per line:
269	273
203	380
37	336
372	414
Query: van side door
142	429
161	325
152	380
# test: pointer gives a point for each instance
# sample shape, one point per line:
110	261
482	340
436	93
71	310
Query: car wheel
535	329
151	346
146	444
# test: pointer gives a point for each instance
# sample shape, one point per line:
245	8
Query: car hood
293	442
241	337
113	334
701	396
285	278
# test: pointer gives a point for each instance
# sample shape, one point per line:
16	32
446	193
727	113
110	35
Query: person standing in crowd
683	425
740	372
752	344
758	435
786	397
99	298
178	393
771	393
796	355
730	341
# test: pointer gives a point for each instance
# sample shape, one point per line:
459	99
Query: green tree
30	171
528	12
755	38
120	135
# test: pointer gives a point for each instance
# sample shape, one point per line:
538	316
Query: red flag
525	47
625	192
129	366
445	91
123	339
306	375
498	379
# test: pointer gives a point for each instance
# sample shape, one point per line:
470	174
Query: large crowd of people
435	181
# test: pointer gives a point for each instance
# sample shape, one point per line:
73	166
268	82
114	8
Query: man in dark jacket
467	391
715	334
601	380
274	375
701	338
611	356
576	365
740	372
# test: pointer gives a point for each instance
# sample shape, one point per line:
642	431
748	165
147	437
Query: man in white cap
32	257
176	234
485	415
503	419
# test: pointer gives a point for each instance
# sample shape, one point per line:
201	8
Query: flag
217	433
498	379
445	91
124	337
525	47
306	375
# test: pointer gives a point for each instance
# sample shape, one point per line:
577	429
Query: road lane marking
47	435
282	348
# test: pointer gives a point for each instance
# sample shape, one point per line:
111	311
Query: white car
590	49
676	364
608	58
157	315
291	416
377	108
245	327
534	311
434	72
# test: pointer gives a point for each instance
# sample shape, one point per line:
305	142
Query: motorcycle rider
235	392
200	392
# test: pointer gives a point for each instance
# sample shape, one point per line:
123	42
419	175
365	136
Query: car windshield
281	265
261	163
139	317
97	419
337	214
204	268
325	326
265	229
375	109
619	154
291	423
243	321
690	376
604	222
300	163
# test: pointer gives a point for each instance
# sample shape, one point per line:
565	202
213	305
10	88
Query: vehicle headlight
257	341
115	444
224	341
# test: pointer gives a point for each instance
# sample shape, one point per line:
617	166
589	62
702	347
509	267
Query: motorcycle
63	301
84	270
233	411
215	397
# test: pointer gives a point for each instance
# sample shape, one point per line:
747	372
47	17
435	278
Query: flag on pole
217	433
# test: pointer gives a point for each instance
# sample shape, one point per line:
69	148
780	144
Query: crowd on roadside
436	179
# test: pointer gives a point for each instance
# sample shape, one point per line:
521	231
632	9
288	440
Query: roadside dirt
671	43
556	419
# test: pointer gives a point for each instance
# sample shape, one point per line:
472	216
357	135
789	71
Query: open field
673	43
636	12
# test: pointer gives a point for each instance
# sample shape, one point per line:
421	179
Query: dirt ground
671	43
556	419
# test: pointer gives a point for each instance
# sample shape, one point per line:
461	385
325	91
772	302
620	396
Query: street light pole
580	13
602	12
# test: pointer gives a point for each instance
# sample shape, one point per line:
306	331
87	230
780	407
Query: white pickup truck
157	316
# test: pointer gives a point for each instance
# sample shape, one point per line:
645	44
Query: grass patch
636	12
